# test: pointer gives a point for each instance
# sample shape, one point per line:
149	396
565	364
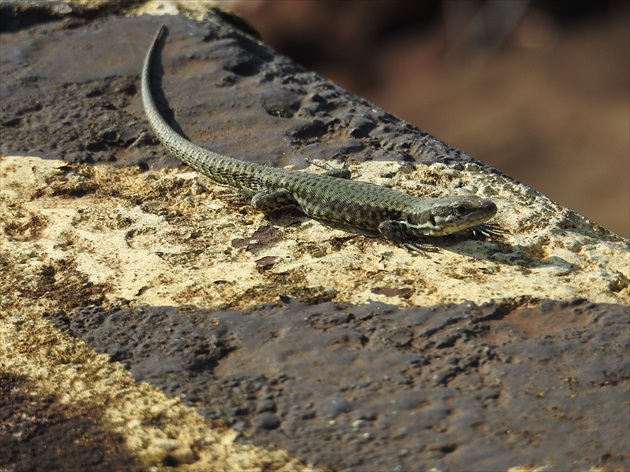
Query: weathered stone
343	350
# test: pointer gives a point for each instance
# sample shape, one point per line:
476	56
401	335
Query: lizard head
449	215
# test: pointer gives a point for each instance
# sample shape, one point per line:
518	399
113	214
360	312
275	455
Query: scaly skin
359	206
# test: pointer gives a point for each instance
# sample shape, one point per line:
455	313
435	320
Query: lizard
358	206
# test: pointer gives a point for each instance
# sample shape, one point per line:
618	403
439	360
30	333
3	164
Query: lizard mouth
453	225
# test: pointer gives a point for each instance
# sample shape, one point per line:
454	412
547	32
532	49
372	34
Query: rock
128	283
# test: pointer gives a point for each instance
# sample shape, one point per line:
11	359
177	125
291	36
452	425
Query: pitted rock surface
378	387
96	112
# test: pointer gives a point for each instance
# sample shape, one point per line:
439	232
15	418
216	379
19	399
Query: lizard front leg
398	233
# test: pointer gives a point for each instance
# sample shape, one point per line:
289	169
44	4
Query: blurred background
537	89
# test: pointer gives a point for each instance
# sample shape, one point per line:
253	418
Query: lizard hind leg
278	200
238	197
339	173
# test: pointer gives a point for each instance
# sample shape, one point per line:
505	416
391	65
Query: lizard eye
460	209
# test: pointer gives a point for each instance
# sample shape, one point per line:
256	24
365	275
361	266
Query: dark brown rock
468	387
